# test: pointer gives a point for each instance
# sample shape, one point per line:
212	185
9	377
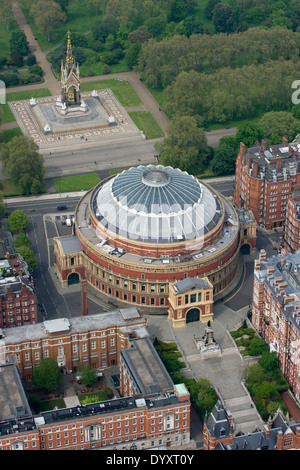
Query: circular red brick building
149	226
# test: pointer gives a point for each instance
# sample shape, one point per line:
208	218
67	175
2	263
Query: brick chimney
84	309
242	149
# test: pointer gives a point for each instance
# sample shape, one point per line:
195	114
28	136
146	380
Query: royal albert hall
146	227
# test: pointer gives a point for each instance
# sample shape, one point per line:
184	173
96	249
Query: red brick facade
18	302
276	313
142	419
264	179
292	223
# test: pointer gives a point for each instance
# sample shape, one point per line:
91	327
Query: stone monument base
99	118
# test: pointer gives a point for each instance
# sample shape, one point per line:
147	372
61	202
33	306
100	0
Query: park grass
121	89
96	67
76	182
146	123
10	189
5	35
9	134
7	115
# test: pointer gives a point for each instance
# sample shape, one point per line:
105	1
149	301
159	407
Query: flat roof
146	367
77	324
13	401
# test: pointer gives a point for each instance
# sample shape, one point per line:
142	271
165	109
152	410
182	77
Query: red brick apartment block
276	310
265	177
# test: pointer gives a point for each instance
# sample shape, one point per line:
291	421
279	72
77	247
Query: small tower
70	79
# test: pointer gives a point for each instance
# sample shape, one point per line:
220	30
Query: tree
22	240
132	54
101	29
185	146
18	42
141	34
31	60
209	9
257	346
224	19
28	256
88	375
192	26
179	9
248	133
279	124
48	16
223	162
47	375
268	360
63	4
22	162
6	12
16	58
17	221
157	25
77	39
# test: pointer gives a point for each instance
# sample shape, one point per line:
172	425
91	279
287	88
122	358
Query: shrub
31	60
105	69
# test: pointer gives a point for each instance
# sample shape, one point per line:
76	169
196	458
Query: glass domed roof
156	204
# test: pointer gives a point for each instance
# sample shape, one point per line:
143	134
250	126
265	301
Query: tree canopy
17	221
47	375
185	146
22	162
47	15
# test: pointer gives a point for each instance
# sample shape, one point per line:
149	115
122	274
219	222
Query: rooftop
189	283
156	204
230	228
146	367
120	318
275	163
281	274
13	402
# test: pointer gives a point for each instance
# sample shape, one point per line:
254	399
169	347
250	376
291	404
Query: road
95	159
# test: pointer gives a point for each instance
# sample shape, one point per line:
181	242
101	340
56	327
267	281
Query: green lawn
96	67
10	133
11	189
122	89
76	183
146	123
5	37
20	95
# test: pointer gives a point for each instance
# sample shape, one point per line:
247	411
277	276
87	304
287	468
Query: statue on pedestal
70	79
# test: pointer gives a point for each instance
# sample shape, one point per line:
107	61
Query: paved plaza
224	371
105	120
